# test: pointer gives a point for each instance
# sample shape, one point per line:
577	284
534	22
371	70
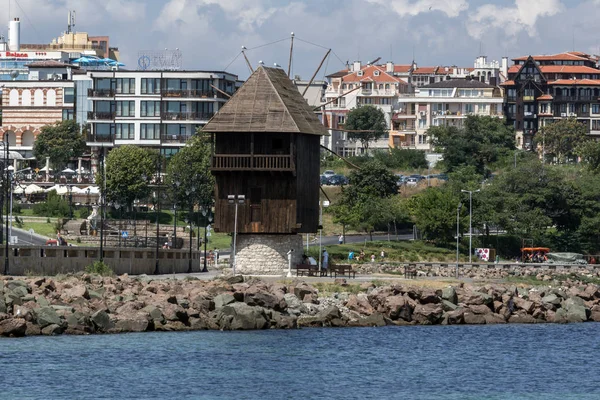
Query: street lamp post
7	185
322	204
118	206
156	197
191	192
102	200
208	218
70	189
457	234
177	183
470	220
235	200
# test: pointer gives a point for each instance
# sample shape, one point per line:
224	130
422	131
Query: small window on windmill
255	204
277	146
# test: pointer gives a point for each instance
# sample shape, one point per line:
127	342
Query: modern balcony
100	116
99	138
192	93
253	162
101	93
186	116
528	98
169	138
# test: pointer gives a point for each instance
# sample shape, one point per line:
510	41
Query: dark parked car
338	180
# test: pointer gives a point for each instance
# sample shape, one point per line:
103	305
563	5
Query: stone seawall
86	304
266	254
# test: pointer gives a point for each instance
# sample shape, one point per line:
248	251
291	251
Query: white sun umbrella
93	190
19	190
76	190
67	171
33	188
60	189
45	169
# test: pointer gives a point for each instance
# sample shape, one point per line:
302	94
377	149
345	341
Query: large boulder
256	296
576	310
294	305
399	307
132	323
329	316
223	299
449	294
101	321
241	316
360	304
53	330
302	289
13	327
428	314
45	316
476	298
471	318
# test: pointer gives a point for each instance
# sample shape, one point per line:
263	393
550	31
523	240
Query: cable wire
232	61
268	44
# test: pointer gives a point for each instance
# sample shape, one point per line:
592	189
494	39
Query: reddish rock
359	304
473	319
13	327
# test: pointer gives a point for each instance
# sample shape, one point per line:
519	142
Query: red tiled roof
576	82
508	83
425	70
568	69
402	68
545	97
567	56
368	73
515	68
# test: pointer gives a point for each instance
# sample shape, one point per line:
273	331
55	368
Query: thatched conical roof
267	102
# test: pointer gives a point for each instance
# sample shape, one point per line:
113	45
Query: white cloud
248	14
452	8
512	20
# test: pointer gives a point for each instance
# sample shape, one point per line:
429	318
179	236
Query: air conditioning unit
563	114
423	113
572	114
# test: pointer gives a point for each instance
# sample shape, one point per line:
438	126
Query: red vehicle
534	254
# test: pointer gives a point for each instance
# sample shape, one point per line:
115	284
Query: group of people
537	257
310	260
361	256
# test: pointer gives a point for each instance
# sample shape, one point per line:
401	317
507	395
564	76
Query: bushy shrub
83	213
55	206
100	268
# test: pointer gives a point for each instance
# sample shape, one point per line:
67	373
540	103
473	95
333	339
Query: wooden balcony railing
252	162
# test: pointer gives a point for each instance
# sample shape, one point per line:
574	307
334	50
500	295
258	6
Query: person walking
341	239
324	263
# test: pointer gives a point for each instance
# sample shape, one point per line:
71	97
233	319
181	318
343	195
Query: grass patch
395	251
330	288
41	228
532	280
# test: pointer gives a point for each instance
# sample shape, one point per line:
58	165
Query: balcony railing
100	138
193	93
252	162
98	115
101	93
528	98
186	116
576	98
166	138
511	99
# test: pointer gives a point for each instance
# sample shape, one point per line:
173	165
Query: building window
68	114
150	108
255	204
150	86
367	100
422	123
104	129
126	86
596	124
150	131
584	108
125	131
595	108
125	108
69	95
468	108
174	130
341	119
386	100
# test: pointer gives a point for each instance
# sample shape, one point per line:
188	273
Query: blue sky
210	33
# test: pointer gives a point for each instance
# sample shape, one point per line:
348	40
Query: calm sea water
455	362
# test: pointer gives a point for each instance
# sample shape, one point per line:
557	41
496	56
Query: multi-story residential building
158	109
542	89
445	103
29	105
369	84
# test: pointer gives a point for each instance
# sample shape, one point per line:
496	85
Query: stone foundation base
266	254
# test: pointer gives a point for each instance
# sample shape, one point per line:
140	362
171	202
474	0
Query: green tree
434	212
373	179
190	168
128	170
561	138
482	141
589	151
368	119
61	142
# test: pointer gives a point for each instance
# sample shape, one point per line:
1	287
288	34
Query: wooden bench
308	269
410	272
342	269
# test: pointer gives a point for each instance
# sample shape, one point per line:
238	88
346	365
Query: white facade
159	109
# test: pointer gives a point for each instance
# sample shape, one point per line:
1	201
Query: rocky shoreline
88	304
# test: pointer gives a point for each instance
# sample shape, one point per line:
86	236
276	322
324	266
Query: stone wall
266	254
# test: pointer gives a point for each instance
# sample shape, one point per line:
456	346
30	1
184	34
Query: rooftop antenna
246	58
291	50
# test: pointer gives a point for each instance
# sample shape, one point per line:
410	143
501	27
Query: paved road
26	238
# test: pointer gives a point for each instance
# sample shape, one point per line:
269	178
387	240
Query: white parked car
329	173
412	182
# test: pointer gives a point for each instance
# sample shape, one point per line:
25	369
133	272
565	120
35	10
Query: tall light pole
70	189
156	196
7	185
457	234
470	220
190	193
234	200
176	187
208	219
323	203
102	200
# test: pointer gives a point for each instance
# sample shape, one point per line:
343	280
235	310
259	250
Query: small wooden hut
266	142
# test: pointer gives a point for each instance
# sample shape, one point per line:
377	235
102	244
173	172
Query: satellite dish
55	77
14	74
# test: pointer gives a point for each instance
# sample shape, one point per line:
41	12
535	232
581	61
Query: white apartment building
364	85
445	103
158	109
